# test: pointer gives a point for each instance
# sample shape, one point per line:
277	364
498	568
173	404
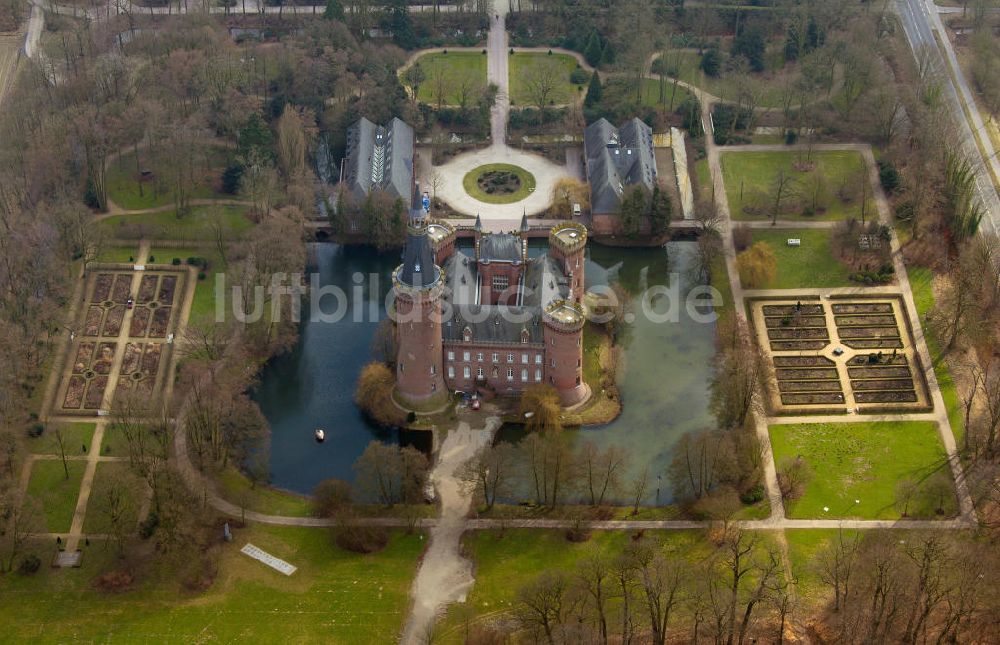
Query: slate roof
494	324
617	158
460	279
418	269
380	158
502	247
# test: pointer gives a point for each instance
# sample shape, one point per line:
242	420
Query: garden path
445	576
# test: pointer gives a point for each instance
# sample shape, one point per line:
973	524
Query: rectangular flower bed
84	354
102	287
167	287
863	308
74	393
802	361
161	319
151	359
812	398
902	396
797	345
105	357
880	343
795	321
809	333
806	374
147	288
95	392
809	386
860	321
122	288
92	325
882	384
140	320
878	372
868	332
113	321
790	310
130	360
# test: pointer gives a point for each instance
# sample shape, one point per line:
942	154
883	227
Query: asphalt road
919	19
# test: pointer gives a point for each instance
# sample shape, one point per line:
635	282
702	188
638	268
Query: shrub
361	539
793	475
36	430
888	176
152	259
202	275
29	565
711	62
578	76
791	136
330	497
176	262
742	237
231	178
753	495
148	526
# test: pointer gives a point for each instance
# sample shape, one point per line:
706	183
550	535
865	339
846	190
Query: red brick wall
495	373
418	365
487	271
564	364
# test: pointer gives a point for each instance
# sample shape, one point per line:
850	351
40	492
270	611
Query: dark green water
665	386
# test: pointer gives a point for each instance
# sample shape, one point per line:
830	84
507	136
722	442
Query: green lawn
863	461
446	73
236	488
334	596
810	265
114	444
804	546
56	494
97	520
921	283
725	85
750	177
119	254
124	188
75	436
470	183
528	68
197	225
505	562
673	97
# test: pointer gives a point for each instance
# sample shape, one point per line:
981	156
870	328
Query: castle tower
418	287
563	333
567	245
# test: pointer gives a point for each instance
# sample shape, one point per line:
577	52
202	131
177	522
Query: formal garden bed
499	183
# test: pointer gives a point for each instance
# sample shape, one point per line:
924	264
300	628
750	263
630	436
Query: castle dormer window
416	267
524	336
467	334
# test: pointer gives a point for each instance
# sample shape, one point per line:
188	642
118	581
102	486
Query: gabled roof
503	247
380	158
494	324
618	158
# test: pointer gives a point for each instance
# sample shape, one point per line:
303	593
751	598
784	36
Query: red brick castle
493	322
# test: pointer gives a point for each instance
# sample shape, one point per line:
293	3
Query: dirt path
445	576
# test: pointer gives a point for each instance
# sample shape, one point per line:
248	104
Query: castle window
524	375
467	334
479	372
496	357
538	375
500	283
401	367
510	375
524	359
451	371
434	369
524	336
510	358
578	362
552	362
465	356
538	359
466	372
479	356
451	356
434	386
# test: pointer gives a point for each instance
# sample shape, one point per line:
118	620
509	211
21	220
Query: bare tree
546	602
20	516
782	187
61	444
602	470
835	565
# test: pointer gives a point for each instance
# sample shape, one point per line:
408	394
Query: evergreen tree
399	23
607	55
814	35
334	10
632	210
255	135
792	44
750	45
594	91
592	51
711	62
659	211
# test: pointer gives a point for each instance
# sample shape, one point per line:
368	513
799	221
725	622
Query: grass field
863	461
750	176
75	436
725	86
452	69
125	189
97	519
234	486
810	265
197	225
804	546
527	66
505	562
334	596
56	494
922	285
469	182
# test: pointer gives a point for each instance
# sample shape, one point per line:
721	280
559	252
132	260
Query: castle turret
563	333
567	245
418	287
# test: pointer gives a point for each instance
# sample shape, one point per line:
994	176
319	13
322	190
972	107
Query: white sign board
263	556
794	241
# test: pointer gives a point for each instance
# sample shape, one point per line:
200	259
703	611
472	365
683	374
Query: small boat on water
320	435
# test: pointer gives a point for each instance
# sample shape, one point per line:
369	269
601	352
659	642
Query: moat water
668	367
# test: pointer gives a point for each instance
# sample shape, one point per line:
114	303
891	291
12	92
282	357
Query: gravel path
445	576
